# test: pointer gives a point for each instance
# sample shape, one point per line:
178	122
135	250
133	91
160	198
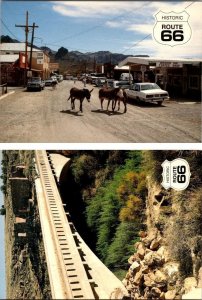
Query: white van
126	76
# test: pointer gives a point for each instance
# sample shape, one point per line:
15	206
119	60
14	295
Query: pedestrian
53	84
84	81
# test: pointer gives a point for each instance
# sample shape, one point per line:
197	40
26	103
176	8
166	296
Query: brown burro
114	95
79	94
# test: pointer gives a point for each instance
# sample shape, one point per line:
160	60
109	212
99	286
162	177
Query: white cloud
138	17
92	9
141	28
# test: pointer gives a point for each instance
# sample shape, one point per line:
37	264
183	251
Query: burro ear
91	91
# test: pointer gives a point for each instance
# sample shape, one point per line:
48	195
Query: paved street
46	117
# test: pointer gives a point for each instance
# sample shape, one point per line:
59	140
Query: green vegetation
114	190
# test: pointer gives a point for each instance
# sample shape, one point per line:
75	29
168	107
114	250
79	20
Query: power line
100	25
144	38
190	4
9	30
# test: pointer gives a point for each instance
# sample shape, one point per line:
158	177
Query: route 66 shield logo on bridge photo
172	28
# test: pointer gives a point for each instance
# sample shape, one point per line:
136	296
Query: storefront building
13	68
180	77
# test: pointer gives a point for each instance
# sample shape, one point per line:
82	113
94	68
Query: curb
8	94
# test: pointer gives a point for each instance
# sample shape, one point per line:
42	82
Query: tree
122	246
2	210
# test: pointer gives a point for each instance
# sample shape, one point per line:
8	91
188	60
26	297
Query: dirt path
46	117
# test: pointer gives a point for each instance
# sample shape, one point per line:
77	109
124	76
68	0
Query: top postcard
100	72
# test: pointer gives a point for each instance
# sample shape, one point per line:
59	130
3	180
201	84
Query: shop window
194	82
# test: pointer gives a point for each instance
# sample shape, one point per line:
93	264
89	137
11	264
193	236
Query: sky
89	26
2	248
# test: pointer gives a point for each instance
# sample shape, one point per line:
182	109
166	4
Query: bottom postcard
101	224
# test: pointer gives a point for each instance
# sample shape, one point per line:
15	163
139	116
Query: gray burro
152	275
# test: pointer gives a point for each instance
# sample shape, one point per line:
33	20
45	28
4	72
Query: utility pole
110	65
26	44
32	41
94	65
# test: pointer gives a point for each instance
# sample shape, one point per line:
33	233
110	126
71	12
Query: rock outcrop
167	261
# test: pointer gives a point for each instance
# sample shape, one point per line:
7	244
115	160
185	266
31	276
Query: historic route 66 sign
172	28
176	174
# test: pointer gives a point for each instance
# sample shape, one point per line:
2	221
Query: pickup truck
35	83
147	92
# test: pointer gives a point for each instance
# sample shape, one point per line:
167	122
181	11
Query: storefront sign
39	61
22	60
29	73
163	64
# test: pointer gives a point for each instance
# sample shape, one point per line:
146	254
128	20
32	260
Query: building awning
152	60
121	68
8	58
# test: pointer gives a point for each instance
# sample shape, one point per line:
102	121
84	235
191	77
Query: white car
35	83
147	92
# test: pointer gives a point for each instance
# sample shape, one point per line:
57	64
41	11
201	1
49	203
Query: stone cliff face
26	270
167	263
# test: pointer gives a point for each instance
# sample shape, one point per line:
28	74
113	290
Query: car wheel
159	103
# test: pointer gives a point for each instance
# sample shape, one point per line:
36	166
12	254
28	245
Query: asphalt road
46	117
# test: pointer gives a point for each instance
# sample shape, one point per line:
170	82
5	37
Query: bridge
75	272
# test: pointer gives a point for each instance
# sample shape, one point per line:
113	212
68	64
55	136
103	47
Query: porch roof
151	60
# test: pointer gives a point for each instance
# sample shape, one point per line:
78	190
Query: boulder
136	245
145	269
195	294
162	296
160	278
118	293
153	259
171	269
132	258
135	266
199	283
155	244
142	234
156	292
141	251
138	278
149	238
149	279
170	295
189	284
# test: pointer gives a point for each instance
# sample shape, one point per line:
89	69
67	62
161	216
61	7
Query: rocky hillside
167	263
147	235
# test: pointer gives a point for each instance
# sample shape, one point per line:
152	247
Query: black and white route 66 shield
172	28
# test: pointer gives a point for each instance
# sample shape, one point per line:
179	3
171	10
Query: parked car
35	83
48	82
68	77
54	78
100	81
147	92
61	77
124	84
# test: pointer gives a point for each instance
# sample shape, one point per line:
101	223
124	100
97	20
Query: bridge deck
74	270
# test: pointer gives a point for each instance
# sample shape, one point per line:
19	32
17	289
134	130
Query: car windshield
145	87
35	79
